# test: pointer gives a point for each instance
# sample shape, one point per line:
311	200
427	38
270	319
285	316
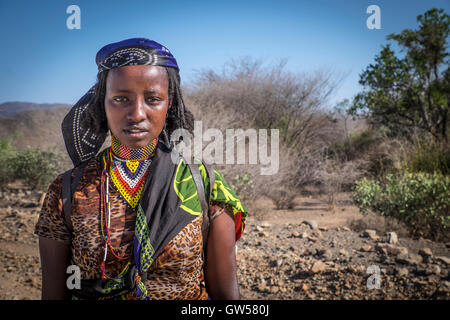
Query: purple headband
82	143
135	51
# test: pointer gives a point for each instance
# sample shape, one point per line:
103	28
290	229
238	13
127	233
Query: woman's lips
135	133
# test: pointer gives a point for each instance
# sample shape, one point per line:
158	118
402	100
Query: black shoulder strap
206	215
212	179
68	189
204	199
199	184
66	198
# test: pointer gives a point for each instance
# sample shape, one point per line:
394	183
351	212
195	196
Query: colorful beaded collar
123	152
128	168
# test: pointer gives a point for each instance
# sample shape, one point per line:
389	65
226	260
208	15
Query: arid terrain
308	252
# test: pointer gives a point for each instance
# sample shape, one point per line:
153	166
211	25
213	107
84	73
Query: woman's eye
120	99
153	99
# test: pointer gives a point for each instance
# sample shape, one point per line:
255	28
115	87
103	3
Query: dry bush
247	94
373	153
384	157
337	176
296	171
423	154
255	96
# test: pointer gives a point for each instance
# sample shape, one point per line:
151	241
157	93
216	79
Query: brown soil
275	255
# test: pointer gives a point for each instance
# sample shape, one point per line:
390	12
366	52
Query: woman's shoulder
89	168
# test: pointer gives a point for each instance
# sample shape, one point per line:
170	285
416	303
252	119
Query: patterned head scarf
82	143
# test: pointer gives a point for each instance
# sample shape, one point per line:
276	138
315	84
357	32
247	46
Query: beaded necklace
128	176
129	169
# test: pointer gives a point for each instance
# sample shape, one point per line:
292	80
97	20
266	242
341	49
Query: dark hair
178	116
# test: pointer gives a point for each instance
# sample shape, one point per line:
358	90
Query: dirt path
279	256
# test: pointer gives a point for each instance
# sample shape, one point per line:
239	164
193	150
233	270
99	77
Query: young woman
132	224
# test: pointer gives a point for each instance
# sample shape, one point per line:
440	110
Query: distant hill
39	128
9	109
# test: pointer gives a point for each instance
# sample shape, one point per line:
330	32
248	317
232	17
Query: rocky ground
20	275
309	252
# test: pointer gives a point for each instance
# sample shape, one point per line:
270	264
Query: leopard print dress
175	274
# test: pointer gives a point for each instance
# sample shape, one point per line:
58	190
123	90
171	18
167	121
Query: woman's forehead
135	75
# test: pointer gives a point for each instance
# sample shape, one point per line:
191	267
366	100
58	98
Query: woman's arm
55	257
221	269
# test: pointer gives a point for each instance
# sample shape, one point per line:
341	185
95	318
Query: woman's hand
221	269
55	257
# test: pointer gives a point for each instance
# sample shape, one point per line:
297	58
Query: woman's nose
137	111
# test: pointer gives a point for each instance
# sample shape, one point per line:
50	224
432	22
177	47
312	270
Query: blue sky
43	61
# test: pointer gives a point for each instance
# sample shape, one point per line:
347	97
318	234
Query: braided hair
178	115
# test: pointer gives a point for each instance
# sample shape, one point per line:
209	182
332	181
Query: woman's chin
135	140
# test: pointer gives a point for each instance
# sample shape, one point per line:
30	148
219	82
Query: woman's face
136	103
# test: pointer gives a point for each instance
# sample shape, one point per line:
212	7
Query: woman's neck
124	152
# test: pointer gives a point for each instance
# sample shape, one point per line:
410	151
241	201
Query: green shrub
420	200
35	167
7	152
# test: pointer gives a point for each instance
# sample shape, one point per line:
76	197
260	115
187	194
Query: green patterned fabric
186	190
144	251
